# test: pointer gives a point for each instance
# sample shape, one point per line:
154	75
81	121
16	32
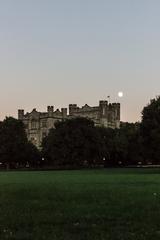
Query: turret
64	112
103	108
20	114
72	108
50	110
116	107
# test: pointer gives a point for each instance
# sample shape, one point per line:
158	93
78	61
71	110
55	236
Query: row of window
34	124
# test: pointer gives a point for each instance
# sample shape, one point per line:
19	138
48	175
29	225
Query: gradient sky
56	52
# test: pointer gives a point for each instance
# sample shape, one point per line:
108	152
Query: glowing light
120	94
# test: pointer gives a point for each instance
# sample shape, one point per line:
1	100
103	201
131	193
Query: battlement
103	102
34	114
50	109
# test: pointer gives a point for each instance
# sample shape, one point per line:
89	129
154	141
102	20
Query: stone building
38	124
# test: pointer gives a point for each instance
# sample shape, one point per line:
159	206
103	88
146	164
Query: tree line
78	143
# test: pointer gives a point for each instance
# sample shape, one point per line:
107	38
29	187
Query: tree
73	142
107	145
121	147
15	150
129	144
150	130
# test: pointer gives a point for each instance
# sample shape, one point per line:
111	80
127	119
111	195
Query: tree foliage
150	131
15	150
129	144
122	146
73	142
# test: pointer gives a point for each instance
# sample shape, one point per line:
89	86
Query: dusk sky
56	52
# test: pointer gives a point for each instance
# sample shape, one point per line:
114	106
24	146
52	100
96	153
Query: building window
44	124
33	124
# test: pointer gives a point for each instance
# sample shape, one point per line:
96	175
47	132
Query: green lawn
110	204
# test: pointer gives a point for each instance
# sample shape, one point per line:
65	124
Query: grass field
112	204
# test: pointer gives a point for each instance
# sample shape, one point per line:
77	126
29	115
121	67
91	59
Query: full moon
120	94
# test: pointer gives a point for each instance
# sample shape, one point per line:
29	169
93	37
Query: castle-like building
38	124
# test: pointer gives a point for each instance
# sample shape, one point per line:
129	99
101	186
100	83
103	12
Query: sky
57	52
